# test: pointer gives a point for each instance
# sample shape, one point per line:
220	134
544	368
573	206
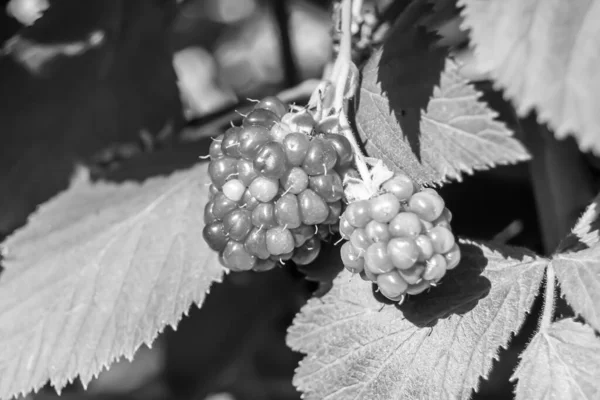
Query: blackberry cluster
400	239
276	188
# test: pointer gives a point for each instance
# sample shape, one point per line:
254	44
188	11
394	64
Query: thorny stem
359	157
281	11
548	310
342	67
344	57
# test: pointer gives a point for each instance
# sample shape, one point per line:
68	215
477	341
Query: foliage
544	60
436	345
562	362
102	268
420	115
98	271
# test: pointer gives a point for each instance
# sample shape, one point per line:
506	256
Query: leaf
432	127
436	346
561	362
81	104
586	233
97	272
577	266
545	56
579	277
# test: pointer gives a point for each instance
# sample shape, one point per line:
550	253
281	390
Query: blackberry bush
104	266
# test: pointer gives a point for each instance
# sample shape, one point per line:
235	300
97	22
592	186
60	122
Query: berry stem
340	73
344	58
359	157
548	310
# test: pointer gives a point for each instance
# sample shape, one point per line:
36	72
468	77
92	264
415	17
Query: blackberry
277	188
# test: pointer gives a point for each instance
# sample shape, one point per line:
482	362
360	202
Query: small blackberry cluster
276	188
400	239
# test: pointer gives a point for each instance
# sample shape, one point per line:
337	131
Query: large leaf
433	142
436	346
56	109
98	271
577	266
545	55
561	362
418	114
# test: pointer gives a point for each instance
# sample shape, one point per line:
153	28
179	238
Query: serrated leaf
586	233
561	362
544	54
577	266
579	277
98	271
125	85
435	347
432	127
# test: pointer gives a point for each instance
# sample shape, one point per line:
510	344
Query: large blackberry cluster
400	239
276	188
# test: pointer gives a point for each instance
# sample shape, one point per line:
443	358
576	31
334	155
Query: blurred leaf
78	105
437	345
26	11
97	272
545	56
561	362
431	126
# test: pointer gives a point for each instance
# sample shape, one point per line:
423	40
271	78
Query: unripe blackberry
277	188
400	238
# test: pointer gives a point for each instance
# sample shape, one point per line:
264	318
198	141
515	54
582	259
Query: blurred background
134	88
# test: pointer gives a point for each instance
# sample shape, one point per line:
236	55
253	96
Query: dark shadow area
237	339
325	268
458	292
8	26
408	71
498	386
485	204
60	108
157	163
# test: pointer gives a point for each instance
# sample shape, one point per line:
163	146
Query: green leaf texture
97	272
545	55
561	362
435	346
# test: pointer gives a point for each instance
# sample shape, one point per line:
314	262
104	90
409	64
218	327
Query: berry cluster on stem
277	187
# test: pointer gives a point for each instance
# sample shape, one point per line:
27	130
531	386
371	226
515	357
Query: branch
561	181
282	16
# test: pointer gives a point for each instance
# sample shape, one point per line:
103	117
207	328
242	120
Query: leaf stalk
549	295
341	70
